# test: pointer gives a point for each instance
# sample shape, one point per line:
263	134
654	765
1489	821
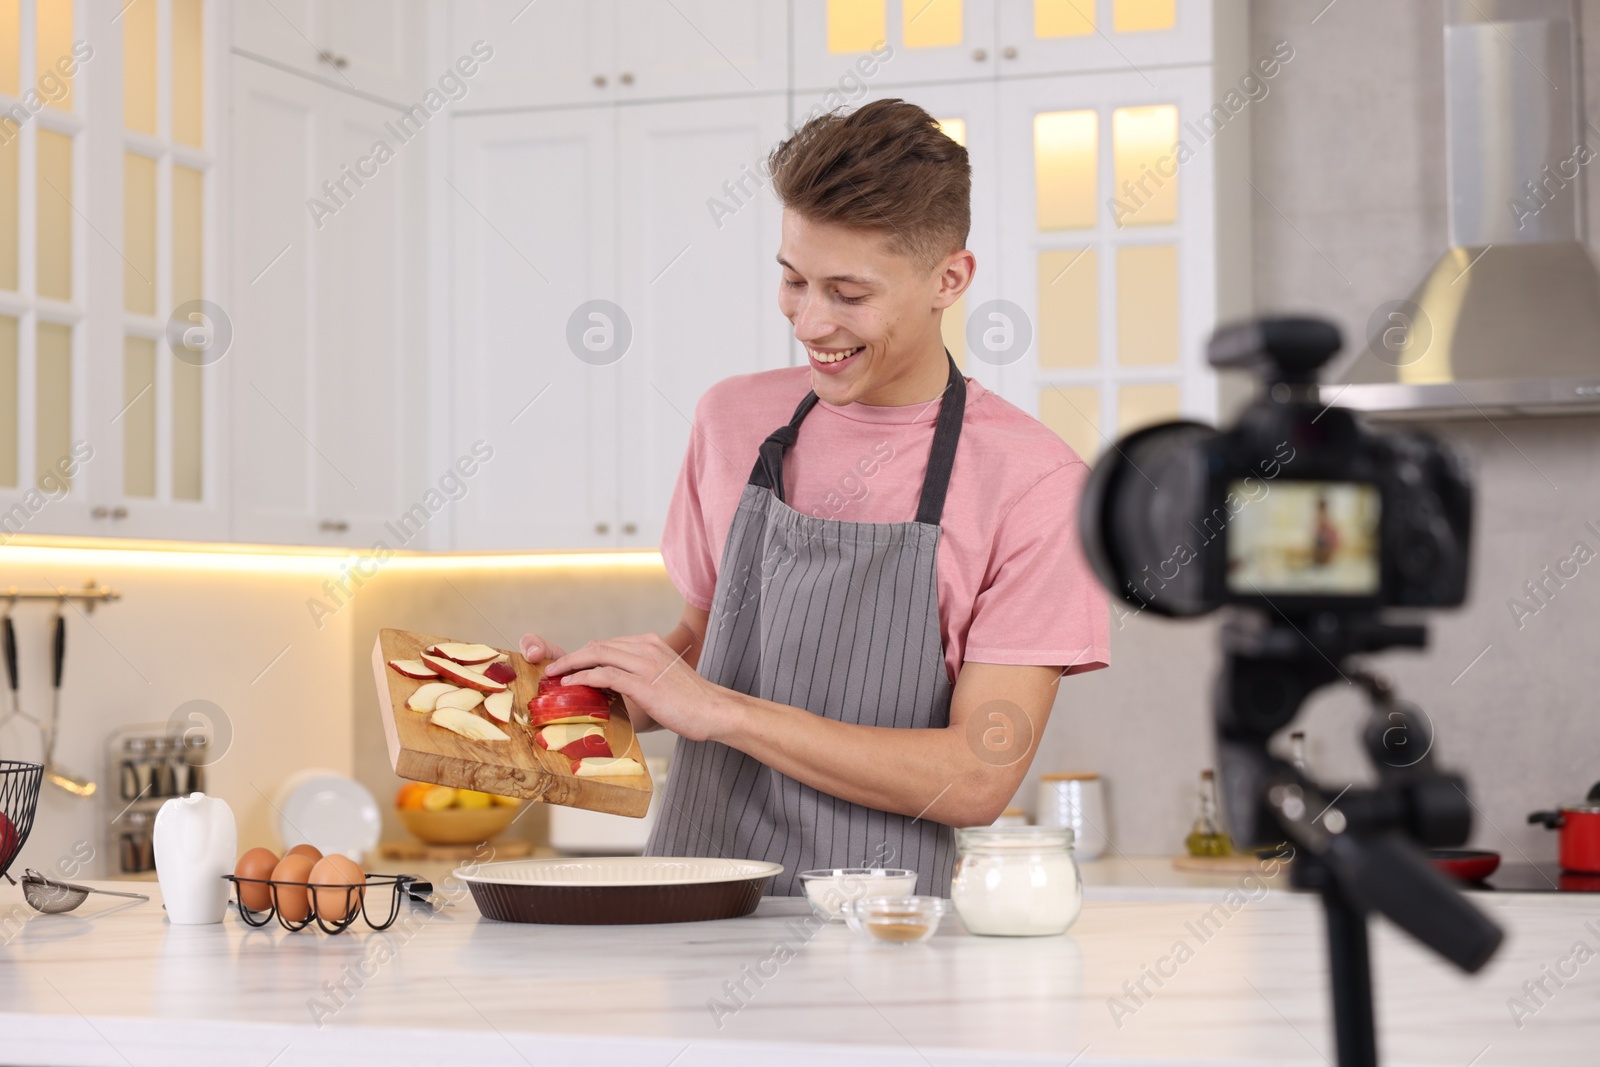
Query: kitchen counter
113	984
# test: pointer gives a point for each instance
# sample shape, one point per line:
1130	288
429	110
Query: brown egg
256	863
335	870
294	901
306	850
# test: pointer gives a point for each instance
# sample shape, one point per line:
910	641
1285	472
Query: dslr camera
1298	509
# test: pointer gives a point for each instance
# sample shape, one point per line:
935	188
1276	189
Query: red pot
1580	834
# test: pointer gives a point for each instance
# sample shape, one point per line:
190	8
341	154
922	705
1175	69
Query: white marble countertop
115	984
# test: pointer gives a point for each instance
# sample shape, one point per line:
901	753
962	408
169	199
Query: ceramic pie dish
618	890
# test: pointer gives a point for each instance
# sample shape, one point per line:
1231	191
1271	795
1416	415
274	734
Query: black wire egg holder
355	901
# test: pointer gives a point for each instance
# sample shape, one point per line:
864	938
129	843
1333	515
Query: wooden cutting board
514	768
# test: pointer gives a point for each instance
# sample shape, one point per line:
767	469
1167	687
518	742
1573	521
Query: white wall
183	630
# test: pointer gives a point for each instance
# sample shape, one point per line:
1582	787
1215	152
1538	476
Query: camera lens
1137	513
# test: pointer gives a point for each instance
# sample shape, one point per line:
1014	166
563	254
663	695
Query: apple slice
413	668
465	699
500	671
560	736
467	725
538	716
498	705
460	653
451	671
603	767
427	696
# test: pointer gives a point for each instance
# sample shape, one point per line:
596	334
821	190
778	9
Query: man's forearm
928	773
686	643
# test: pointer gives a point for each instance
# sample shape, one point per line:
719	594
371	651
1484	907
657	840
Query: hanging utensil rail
91	594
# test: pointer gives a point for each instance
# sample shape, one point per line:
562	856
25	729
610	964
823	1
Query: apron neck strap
768	472
942	456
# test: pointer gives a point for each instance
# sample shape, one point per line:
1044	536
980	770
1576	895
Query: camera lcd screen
1304	539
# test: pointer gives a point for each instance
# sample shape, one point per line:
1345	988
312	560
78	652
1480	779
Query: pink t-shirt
1014	587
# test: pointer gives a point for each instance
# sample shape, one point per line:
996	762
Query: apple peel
498	705
451	671
464	653
413	668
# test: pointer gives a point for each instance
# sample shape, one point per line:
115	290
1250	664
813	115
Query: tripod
1357	850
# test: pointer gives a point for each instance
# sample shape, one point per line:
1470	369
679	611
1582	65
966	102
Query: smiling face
867	315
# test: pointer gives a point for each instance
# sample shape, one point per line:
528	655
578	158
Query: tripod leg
1350	972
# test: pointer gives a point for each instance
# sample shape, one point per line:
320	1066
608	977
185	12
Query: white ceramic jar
196	843
1076	801
1016	881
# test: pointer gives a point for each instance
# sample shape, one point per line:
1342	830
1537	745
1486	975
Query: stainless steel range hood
1508	320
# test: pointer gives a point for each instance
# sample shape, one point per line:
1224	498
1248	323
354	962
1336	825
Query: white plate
617	871
328	810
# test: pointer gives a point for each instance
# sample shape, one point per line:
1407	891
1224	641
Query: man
877	616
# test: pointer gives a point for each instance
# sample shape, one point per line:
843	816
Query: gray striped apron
842	619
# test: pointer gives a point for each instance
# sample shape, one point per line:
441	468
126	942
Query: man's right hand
535	648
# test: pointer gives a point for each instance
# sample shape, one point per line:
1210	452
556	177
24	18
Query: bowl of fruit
441	815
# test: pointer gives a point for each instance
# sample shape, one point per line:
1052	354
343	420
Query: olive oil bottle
1207	837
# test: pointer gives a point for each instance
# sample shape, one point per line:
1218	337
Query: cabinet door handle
627	78
337	62
630	528
602	527
99	511
599	81
980	54
333	526
119	512
1010	52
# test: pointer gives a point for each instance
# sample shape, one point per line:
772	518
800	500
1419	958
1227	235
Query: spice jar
1016	881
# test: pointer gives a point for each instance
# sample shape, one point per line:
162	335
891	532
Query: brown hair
886	167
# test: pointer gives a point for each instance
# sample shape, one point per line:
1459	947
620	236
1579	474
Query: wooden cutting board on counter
514	768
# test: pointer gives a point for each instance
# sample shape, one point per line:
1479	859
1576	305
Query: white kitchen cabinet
365	46
532	217
913	42
1078	36
553	211
699	279
668	48
326	332
600	51
1107	248
545	54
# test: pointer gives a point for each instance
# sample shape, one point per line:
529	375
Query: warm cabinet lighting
1143	140
857	25
1138	16
1063	18
931	23
1064	153
269	559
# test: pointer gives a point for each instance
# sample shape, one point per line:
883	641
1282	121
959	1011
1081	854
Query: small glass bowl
895	920
828	891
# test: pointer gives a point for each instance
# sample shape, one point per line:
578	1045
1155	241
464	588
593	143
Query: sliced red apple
500	671
468	725
428	695
571	696
498	705
451	671
538	716
603	767
560	736
462	653
465	699
413	668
